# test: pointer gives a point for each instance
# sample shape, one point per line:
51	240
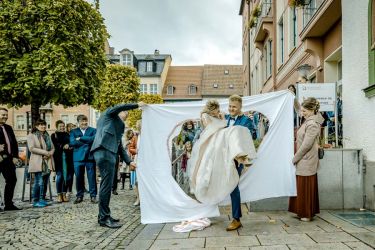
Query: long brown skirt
306	204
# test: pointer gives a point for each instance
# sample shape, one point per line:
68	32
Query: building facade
358	29
151	68
283	37
189	83
20	118
183	83
335	40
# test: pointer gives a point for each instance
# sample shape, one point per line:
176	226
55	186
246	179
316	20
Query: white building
358	81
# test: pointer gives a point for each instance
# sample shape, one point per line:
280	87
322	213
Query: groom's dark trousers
235	196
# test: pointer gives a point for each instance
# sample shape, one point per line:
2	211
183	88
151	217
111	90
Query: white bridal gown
211	168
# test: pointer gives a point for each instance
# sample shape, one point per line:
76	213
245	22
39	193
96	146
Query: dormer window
126	59
193	89
226	72
170	90
149	66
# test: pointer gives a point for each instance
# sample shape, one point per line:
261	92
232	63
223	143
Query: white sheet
273	174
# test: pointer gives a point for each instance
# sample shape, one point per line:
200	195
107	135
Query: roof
152	56
241	7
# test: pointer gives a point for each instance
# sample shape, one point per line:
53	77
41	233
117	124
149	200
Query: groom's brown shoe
235	224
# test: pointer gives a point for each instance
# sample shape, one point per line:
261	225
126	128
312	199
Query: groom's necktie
7	141
231	119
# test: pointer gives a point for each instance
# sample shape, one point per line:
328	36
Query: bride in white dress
211	167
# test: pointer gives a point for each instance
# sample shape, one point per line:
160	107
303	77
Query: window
370	91
170	90
309	11
126	59
149	66
268	59
48	121
339	70
372	25
75	119
226	72
143	88
281	42
153	89
215	85
20	122
65	118
231	86
192	89
292	28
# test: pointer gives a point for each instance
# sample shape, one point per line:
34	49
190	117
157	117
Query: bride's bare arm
205	119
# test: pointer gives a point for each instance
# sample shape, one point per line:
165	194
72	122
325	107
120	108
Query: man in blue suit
237	118
106	147
81	139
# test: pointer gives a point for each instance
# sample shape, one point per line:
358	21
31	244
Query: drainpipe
248	49
274	45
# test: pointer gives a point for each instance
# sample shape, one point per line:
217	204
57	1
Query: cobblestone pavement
261	231
68	226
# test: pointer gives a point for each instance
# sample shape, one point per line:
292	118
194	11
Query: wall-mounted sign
325	93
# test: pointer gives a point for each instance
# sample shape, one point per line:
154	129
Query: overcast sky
194	32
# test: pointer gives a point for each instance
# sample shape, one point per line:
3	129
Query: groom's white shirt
231	121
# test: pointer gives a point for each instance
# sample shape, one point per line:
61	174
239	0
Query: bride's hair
211	105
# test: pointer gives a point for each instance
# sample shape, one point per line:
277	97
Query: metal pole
336	118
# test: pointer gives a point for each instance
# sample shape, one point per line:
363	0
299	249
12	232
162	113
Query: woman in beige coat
306	160
41	161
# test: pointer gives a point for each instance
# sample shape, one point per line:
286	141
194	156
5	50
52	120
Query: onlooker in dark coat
8	159
63	164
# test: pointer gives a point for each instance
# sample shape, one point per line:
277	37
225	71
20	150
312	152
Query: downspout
248	49
274	45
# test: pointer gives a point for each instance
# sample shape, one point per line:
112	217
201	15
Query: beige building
221	81
282	38
20	119
183	83
189	83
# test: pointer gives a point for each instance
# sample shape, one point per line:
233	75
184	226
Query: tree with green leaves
135	115
51	51
121	85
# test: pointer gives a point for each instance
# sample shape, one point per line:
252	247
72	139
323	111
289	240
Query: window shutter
154	66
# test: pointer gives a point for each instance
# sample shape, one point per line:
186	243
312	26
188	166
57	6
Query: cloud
194	32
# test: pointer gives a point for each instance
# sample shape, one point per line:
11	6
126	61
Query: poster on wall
325	93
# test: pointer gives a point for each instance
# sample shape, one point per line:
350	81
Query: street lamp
303	70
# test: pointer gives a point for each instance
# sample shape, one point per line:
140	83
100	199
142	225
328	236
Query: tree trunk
35	113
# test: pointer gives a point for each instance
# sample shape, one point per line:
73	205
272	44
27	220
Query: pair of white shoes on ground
188	226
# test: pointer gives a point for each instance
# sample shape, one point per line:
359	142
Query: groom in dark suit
107	145
237	118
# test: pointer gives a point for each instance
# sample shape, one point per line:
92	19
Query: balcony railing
266	11
310	10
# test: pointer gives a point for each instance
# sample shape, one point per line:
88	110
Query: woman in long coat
306	160
41	161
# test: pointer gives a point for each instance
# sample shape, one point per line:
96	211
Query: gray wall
340	180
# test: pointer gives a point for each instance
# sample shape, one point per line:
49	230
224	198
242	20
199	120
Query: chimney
156	53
